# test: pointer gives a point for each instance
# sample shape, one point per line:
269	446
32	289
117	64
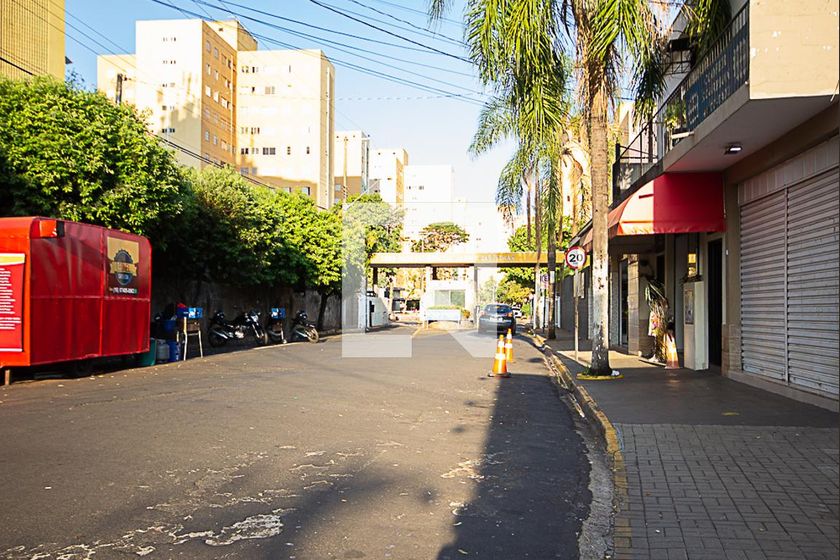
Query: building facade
429	197
729	199
32	39
351	163
207	88
387	175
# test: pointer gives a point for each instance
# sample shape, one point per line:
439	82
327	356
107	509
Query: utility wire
415	28
396	35
21	68
339	62
304	24
419	12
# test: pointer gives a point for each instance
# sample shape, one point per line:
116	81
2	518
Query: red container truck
71	291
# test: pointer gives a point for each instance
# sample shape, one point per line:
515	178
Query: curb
596	416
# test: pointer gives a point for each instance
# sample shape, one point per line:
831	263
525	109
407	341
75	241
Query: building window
243	130
306	190
224	145
207	91
215	74
288	150
307	150
255	69
207	46
286	189
215	140
269	90
269	151
254	171
207	135
215	53
163	107
244	170
246	69
215	96
209	70
255	130
168	130
243	151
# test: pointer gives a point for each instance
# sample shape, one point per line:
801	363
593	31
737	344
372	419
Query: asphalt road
295	452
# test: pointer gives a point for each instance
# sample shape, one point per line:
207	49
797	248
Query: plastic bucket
149	357
174	351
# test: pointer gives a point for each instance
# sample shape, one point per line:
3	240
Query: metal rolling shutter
813	284
763	286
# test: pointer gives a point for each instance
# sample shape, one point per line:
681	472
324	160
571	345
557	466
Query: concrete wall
232	299
793	48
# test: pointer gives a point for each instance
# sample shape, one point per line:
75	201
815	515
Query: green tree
439	237
73	154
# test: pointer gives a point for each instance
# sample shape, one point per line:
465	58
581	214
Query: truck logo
123	256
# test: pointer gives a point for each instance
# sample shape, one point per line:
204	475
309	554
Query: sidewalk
716	469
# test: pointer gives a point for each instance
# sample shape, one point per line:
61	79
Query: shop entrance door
715	279
622	267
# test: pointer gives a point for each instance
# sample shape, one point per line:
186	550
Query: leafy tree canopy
439	236
73	154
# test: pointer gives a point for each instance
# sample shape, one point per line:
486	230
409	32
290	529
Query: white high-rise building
429	194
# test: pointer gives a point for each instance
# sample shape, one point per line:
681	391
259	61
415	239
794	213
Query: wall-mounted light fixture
732	149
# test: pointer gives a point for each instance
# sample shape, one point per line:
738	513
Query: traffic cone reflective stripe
500	360
509	346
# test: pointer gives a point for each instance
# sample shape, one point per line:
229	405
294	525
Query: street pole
119	89
344	178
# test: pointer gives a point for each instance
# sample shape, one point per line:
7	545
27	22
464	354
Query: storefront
789	272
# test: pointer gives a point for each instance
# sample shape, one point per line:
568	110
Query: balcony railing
720	71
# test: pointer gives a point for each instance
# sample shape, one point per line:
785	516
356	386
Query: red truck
71	291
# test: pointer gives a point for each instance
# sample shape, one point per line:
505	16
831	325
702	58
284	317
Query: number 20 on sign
575	257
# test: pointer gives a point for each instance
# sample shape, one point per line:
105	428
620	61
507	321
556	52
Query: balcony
772	68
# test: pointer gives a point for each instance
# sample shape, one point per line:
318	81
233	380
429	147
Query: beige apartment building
32	38
351	163
387	175
206	88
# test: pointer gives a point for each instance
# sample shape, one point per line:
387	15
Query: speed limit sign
575	257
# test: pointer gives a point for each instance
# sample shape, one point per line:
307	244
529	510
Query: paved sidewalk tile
729	492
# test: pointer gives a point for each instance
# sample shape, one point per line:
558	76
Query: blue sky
434	129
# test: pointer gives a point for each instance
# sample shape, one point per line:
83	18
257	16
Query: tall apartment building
429	196
32	38
351	163
387	169
207	88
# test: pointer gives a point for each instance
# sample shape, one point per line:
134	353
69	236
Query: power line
301	23
419	30
420	12
339	62
21	68
397	35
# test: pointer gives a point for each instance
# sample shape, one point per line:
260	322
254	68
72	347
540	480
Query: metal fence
719	72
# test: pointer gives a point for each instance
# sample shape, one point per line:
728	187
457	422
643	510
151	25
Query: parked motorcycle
274	325
221	331
303	329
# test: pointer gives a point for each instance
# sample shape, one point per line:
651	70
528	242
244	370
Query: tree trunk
528	209
599	322
322	308
538	243
552	275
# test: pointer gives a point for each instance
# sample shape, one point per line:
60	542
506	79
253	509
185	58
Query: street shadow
533	477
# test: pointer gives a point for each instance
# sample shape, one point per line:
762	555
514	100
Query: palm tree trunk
538	242
599	328
552	276
528	208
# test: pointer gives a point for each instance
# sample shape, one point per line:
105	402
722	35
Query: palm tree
524	39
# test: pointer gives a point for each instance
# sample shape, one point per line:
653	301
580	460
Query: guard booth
71	291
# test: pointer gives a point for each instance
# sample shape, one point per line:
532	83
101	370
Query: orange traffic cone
500	360
672	359
509	347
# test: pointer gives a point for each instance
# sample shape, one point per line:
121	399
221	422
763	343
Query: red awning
671	203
